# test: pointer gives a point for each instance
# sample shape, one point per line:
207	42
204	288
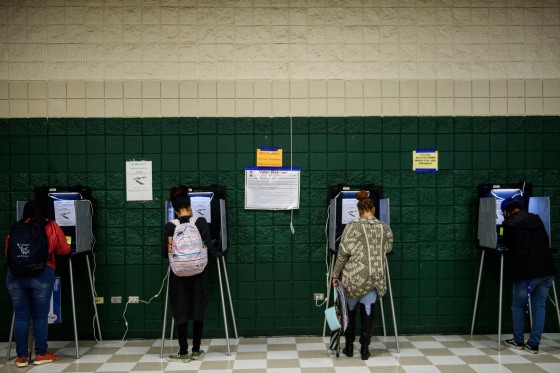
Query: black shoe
348	350
532	349
364	352
511	343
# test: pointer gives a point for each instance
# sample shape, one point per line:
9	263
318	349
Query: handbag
332	320
330	315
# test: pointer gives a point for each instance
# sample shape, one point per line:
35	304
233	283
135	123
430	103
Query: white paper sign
139	181
201	207
272	188
65	213
349	210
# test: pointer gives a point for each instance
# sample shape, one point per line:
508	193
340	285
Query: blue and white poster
272	188
55	314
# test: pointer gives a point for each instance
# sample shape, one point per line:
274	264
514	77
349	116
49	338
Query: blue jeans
539	288
367	300
31	298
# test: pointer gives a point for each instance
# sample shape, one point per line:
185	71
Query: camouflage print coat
361	256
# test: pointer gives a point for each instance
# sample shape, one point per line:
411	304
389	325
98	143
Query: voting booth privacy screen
71	208
343	208
490	216
210	203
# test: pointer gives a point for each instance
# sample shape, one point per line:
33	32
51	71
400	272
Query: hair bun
362	195
178	191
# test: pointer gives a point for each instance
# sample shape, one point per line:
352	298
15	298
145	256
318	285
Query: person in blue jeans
31	295
533	271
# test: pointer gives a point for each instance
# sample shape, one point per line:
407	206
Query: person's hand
335	282
169	248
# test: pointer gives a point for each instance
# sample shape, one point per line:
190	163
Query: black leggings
183	330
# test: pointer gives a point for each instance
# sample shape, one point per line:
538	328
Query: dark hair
177	191
179	197
513	206
364	202
34	210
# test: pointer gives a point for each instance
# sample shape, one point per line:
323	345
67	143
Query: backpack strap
176	222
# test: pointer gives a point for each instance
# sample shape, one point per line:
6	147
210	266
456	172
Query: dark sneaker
532	349
197	354
511	343
22	361
45	359
179	358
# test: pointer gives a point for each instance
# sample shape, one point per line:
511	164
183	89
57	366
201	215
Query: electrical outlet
319	296
133	299
99	300
117	299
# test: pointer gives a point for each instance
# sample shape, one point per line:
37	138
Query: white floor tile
116	367
420	369
316	363
445	360
273	355
249	364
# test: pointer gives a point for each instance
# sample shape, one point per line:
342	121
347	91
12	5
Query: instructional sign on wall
425	160
269	157
65	213
349	210
139	181
272	188
200	205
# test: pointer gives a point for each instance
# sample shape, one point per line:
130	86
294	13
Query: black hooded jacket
528	245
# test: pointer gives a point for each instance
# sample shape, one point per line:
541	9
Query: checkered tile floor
424	353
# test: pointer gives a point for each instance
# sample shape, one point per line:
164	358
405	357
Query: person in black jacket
188	296
533	271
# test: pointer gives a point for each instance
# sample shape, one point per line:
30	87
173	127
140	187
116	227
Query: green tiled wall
272	273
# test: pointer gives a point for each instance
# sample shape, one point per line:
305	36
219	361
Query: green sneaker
197	354
179	358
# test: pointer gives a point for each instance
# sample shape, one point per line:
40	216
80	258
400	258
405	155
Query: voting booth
72	210
208	202
490	229
342	209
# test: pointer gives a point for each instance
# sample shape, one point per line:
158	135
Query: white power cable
326	259
141	301
292	229
96	315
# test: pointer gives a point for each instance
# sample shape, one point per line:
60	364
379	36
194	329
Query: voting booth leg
11	336
93	298
229	295
329	288
382	316
223	306
392	306
477	291
500	303
73	306
164	316
556	305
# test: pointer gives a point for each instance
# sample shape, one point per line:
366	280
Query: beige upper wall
300	44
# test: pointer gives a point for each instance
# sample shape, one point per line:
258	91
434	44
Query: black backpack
28	248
